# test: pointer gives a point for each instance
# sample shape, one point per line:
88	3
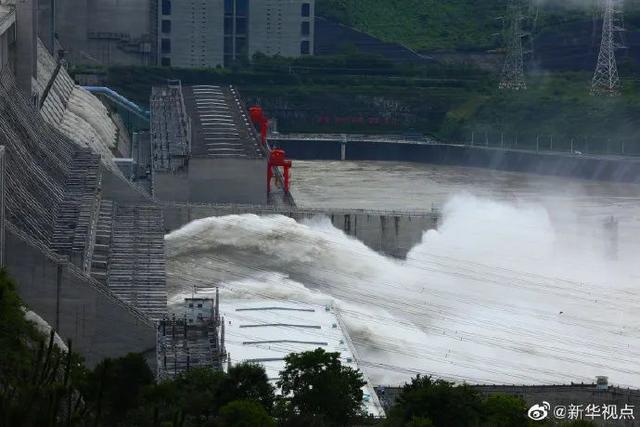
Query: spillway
499	293
74	111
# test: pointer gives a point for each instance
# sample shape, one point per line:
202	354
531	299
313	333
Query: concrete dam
62	234
388	232
86	245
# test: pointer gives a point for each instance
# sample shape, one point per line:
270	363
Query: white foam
499	294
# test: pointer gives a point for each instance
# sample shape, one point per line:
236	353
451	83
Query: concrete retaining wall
116	187
212	180
79	308
390	233
623	169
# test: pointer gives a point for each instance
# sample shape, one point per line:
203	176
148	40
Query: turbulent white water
76	112
502	292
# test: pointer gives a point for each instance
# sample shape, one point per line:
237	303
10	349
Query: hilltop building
179	33
101	32
193	34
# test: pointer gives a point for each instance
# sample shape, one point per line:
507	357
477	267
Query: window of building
306	9
228	26
306	28
241	46
166	26
242	8
165	45
228	46
228	7
241	26
305	48
166	7
166	62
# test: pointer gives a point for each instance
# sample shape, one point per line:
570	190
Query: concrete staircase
102	243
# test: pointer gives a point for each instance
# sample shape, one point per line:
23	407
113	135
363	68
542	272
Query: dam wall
605	168
387	232
91	267
78	307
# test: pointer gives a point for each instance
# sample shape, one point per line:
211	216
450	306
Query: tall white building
190	33
211	33
281	27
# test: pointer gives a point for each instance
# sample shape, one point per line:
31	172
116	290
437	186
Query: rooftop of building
220	127
265	331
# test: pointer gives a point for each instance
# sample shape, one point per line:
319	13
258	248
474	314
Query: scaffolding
194	340
170	128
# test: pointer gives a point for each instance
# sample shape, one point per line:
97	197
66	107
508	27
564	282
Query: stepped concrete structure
204	148
85	245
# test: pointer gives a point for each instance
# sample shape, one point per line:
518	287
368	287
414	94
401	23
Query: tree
246	381
578	423
36	377
502	410
419	422
196	392
317	388
441	402
198	395
245	413
115	386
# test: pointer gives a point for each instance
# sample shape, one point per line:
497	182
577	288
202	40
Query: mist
502	292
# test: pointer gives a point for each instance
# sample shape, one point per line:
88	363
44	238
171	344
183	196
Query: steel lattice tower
606	80
513	69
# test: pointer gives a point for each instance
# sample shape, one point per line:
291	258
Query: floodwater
527	280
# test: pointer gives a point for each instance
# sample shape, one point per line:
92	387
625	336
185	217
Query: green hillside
427	25
421	24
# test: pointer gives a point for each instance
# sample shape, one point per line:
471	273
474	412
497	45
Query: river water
528	279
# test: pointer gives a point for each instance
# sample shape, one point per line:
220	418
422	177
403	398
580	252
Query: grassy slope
454	24
422	24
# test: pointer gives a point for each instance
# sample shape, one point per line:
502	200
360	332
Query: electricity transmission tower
513	68
606	80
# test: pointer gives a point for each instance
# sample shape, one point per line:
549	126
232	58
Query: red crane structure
259	119
278	159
